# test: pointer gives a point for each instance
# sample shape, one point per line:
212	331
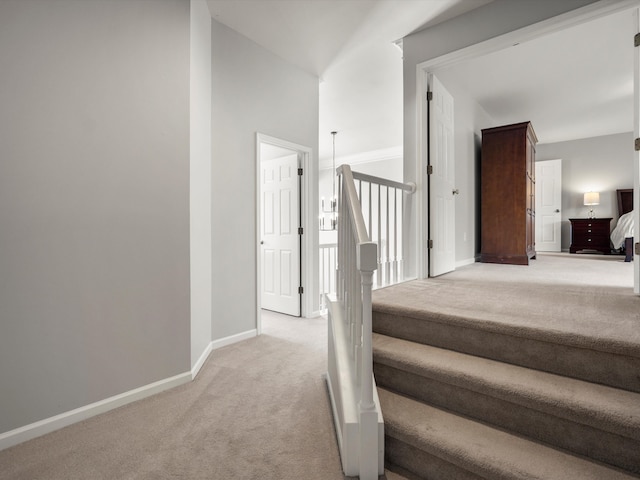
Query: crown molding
364	157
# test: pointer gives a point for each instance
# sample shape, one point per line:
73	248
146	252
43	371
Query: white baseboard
42	427
223	342
203	358
36	429
238	337
463	263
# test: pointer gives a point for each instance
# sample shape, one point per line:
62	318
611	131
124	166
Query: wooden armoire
507	194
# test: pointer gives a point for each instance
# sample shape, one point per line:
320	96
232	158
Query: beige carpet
576	297
512	372
258	409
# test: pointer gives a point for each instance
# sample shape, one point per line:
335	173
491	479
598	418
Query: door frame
306	245
530	32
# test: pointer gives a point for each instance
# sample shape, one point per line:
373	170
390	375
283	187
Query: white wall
200	179
602	164
94	201
484	23
253	91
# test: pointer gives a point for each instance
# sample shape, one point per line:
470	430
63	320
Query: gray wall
94	201
602	164
253	91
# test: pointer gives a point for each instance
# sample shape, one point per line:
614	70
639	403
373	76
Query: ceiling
571	84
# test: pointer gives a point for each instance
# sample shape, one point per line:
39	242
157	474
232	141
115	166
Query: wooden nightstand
590	234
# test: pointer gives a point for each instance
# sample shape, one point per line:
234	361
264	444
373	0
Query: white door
280	240
442	253
636	158
548	205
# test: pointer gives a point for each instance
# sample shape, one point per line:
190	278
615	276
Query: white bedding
624	229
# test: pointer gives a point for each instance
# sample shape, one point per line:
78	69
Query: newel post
367	262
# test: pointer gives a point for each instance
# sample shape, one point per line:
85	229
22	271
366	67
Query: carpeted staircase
466	398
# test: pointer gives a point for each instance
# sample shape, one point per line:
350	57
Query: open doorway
282	206
525	66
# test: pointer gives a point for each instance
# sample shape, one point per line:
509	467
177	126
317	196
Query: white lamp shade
592	198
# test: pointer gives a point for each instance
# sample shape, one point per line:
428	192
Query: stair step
592	420
398	474
417	434
570	355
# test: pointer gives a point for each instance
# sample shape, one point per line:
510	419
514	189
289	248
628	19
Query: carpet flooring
512	372
576	297
258	409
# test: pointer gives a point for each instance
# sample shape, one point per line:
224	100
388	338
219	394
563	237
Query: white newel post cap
367	256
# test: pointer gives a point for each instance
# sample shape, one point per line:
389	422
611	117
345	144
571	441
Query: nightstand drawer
594	238
590	228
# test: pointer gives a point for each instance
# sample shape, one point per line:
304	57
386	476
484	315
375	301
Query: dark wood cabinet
590	234
507	194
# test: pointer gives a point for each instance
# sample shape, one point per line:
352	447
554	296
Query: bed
622	235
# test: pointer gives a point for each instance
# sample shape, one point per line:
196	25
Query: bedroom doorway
513	40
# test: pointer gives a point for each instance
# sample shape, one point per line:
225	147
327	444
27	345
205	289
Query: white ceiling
312	34
348	44
572	84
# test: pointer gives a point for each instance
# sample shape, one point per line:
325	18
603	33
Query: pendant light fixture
329	217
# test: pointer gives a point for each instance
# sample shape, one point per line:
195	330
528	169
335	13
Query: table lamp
590	199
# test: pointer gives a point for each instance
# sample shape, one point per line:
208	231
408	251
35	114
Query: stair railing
350	364
354	398
382	203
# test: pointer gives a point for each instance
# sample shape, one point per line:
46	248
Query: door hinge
300	230
300	290
430	243
636	40
300	172
429	96
429	169
637	144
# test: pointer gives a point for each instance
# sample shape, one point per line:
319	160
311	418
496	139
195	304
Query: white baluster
379	273
395	234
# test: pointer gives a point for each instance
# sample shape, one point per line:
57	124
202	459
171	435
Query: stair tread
445	300
600	406
483	450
